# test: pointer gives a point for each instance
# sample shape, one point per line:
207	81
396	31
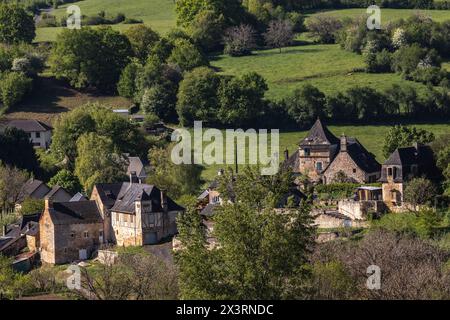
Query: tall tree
260	253
98	161
401	136
16	24
11	183
280	33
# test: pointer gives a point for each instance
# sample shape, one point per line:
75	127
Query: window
307	152
389	172
354	170
65	250
125	218
86	234
132	219
151	218
319	166
72	235
38	134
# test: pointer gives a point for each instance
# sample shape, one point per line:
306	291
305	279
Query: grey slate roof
29	125
404	158
319	135
65	194
208	211
122	196
81	212
30	187
78	197
363	158
136	165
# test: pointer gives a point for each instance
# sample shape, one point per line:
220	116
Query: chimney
164	203
48	203
133	177
286	154
343	143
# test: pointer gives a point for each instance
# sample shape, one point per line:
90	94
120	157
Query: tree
177	180
239	40
13	88
279	34
186	55
127	82
241	99
400	136
11	182
12	283
207	29
125	136
66	179
136	275
97	161
31	206
260	254
16	24
197	96
142	38
419	191
17	150
305	104
160	99
90	57
324	27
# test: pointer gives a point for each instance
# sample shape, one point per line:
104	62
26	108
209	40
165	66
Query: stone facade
313	160
67	239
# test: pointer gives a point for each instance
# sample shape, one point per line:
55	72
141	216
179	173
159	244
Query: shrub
13	87
239	40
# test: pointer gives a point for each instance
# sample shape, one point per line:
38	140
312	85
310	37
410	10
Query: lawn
159	14
326	66
388	15
371	136
50	98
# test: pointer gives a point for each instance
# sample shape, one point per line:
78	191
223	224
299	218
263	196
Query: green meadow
328	67
371	136
387	14
159	14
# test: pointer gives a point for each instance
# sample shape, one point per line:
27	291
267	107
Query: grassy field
371	136
388	15
51	98
326	66
159	14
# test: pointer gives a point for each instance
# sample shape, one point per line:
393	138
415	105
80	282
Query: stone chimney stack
133	177
343	143
48	203
164	203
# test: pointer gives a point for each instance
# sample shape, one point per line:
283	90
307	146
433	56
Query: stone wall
343	162
359	210
308	163
393	195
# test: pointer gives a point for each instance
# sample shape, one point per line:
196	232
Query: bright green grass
326	66
159	14
388	15
371	136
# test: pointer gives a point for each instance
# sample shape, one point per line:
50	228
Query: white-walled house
40	134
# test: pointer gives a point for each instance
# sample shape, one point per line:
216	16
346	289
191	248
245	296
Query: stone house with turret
403	165
322	157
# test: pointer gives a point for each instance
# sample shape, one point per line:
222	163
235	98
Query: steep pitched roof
122	196
78	197
29	125
363	158
30	187
81	212
319	135
293	162
57	189
420	155
136	165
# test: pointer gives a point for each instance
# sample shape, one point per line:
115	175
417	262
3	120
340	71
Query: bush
13	88
337	190
379	62
239	40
